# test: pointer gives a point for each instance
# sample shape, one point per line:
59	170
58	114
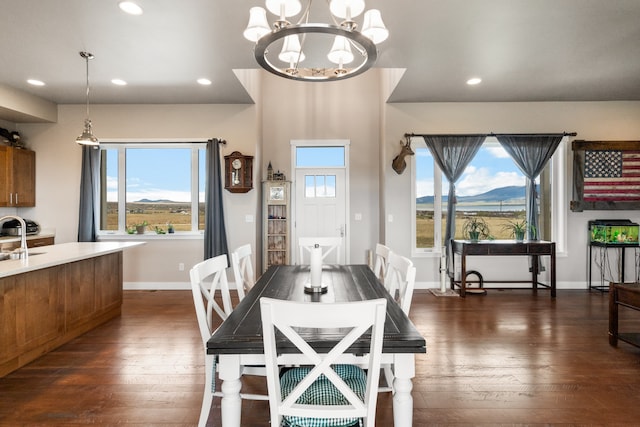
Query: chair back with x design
317	391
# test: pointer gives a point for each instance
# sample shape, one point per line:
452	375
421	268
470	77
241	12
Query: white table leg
230	371
404	369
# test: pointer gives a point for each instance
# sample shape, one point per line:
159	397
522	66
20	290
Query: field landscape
156	213
497	207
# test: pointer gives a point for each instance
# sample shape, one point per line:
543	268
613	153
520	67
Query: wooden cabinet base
43	309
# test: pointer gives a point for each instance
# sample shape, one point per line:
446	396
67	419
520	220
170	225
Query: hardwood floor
506	358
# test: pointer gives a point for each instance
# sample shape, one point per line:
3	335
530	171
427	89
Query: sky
491	168
154	174
164	173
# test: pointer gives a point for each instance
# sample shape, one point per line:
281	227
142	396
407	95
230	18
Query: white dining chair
322	390
381	264
400	282
206	277
241	263
328	245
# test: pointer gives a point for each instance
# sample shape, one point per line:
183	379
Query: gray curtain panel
89	181
215	235
531	153
453	153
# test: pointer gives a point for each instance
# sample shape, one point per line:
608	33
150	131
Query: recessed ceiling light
204	82
474	81
130	7
119	82
35	82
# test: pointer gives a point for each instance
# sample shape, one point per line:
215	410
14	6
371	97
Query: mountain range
502	194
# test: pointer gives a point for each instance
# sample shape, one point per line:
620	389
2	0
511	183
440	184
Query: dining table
238	341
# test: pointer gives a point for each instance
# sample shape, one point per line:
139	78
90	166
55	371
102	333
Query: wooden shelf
276	211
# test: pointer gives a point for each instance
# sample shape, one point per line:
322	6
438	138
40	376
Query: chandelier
87	138
330	51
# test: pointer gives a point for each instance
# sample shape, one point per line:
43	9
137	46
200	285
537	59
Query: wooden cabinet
18	177
276	225
43	309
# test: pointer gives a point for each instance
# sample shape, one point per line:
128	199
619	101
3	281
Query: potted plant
170	228
518	228
140	228
160	230
475	228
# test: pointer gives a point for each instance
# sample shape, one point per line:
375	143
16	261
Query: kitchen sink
7	255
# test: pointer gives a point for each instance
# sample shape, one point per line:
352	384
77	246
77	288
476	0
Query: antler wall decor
399	164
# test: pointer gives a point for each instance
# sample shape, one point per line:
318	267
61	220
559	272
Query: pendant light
87	137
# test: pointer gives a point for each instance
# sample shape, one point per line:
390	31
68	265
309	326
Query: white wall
591	121
332	110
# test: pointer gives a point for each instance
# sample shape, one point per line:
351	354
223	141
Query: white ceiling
524	50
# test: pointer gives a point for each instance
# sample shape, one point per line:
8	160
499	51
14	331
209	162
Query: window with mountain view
491	187
152	184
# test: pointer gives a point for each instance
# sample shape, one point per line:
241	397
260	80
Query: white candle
316	266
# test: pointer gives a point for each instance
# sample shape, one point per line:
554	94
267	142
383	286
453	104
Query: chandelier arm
305	15
357	47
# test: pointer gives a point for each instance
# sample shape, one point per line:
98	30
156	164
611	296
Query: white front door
320	205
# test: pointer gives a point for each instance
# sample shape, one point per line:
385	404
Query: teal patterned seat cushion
323	392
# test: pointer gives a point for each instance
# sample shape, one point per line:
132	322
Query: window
492	186
309	157
152	184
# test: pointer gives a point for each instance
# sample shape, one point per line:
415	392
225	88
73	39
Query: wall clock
238	172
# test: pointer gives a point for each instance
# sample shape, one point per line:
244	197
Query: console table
532	248
626	295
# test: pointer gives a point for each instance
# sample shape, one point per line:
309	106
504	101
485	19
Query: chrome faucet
23	254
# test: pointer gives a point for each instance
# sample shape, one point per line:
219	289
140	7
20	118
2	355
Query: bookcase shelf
276	212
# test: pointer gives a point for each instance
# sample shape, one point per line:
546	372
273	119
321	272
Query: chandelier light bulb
341	51
291	52
258	25
346	9
284	8
373	27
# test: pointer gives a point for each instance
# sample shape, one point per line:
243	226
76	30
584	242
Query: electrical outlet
181	266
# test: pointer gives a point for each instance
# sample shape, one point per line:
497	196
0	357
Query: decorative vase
519	235
474	236
140	229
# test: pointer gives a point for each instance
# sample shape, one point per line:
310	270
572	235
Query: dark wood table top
241	333
503	247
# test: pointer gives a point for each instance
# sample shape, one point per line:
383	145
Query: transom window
152	184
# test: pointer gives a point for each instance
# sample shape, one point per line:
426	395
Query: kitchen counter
49	256
58	293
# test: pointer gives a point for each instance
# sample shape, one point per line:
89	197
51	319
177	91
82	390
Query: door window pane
320	186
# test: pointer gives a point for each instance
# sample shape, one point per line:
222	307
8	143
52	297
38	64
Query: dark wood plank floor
507	358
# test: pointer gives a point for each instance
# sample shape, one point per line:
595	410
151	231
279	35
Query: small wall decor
238	172
606	175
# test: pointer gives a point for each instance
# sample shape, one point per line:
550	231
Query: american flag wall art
611	176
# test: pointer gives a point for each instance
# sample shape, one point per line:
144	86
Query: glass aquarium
613	232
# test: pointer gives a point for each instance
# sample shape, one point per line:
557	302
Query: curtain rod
409	135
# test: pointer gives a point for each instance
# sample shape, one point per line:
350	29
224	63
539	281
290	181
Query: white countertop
49	256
